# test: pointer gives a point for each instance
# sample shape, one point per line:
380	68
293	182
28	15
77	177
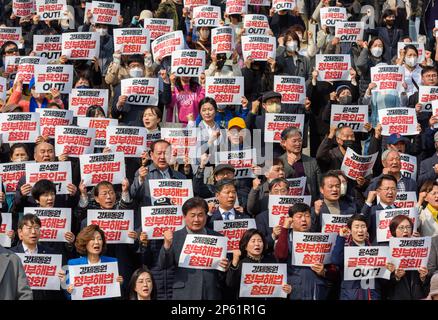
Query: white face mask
343	189
292	46
102	31
376	51
411	61
204	34
136	72
273	108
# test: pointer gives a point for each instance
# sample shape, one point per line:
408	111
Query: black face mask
390	23
348	144
220	63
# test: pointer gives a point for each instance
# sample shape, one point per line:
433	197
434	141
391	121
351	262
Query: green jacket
167	10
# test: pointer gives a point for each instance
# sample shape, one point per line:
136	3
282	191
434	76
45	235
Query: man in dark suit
226	194
192	284
297	164
428	167
386	189
330	203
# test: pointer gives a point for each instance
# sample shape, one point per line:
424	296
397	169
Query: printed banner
366	263
11	173
236	7
266	3
49	46
310	248
188	63
398	120
101	125
50	118
259	48
333	67
348	115
5	226
164	45
206	16
10	34
41	270
195	3
355	165
280	5
26	68
256	24
105	12
140	91
80	99
23	8
233	230
408	166
102	167
58	172
95	281
157	219
263	280
410	253
279	207
407	199
384	217
55	222
222	40
51	9
131	40
225	90
178	191
74	141
53	76
203	252
388	77
348	31
80	45
115	223
275	123
297	186
18	127
183	141
427	94
333	223
330	15
158	27
131	141
292	89
241	160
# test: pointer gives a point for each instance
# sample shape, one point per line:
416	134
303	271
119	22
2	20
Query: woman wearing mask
428	209
411	284
220	66
142	285
203	43
412	70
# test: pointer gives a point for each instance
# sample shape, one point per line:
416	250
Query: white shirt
27	250
231	216
409	75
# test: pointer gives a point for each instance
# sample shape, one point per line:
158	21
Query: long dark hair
193	84
132	295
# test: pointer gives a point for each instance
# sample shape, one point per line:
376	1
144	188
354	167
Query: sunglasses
11	50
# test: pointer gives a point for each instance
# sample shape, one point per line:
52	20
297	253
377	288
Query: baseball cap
395	138
270	95
237	122
145	14
221	167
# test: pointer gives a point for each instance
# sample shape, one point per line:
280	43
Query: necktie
388	207
227	215
165	175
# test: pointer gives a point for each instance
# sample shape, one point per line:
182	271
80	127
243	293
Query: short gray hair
387	152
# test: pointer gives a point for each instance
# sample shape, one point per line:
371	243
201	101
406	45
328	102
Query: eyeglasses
431	75
29	228
388	189
404	228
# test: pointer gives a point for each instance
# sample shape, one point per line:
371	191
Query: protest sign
241	160
278	207
195	3
263	280
258	47
179	191
256	24
280	5
384	217
100	124
406	199
41	270
157	219
203	252
225	90
55	222
50	118
95	281
81	99
330	15
398	120
131	40
427	94
310	248
333	223
236	7
51	9
11	173
353	116
355	165
164	45
140	91
333	67
105	12
233	230
366	263
3	89
206	16
131	141
188	63
408	166
275	123
388	77
26	68
348	31
5	226
74	141
222	40
158	27
410	253
115	223
48	46
99	167
10	34
80	45
11	66
23	8
18	127
58	172
52	76
291	88
266	3
182	140
297	186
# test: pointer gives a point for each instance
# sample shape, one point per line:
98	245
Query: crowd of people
149	268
